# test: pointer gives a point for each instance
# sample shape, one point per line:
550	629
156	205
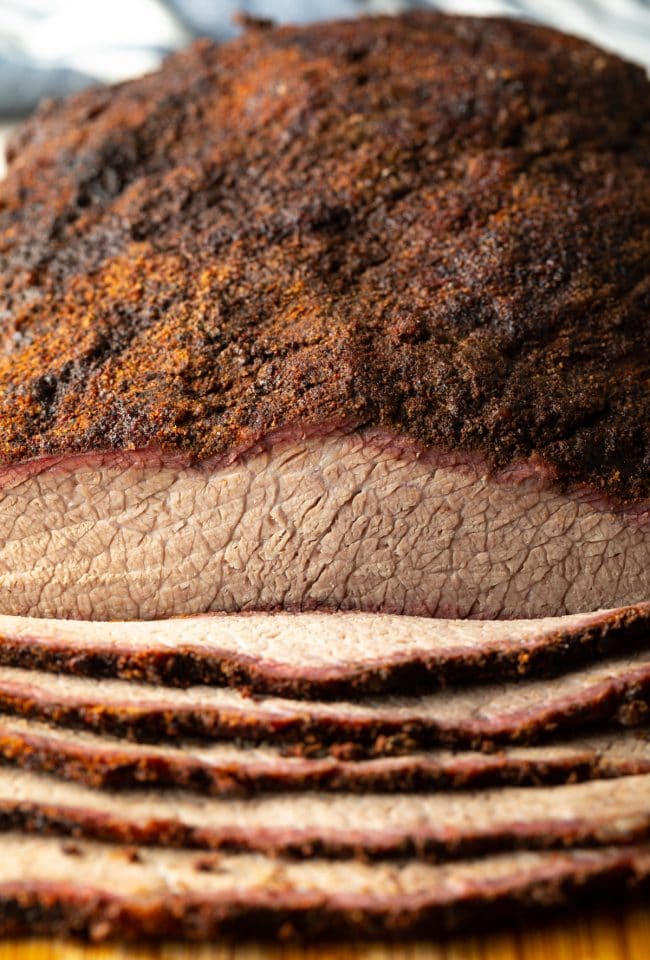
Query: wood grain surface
617	935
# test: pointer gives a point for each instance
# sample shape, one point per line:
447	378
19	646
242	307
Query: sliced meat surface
335	521
429	826
617	689
100	760
318	654
285	326
57	888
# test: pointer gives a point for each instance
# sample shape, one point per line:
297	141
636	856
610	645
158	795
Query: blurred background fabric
49	48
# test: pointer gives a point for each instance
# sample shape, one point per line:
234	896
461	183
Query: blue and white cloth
52	47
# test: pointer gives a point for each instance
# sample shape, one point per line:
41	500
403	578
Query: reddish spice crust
120	769
624	630
50	909
294	228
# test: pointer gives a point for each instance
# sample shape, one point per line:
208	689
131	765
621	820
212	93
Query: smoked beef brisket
287	325
306	332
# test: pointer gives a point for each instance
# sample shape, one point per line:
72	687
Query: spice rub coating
294	229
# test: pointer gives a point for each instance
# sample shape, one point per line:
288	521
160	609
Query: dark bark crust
111	767
293	229
625	630
60	910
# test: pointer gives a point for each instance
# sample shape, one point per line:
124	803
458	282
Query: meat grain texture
288	326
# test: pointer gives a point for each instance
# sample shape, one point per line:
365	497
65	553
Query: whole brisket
305	333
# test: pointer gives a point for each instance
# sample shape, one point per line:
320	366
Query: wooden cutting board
620	935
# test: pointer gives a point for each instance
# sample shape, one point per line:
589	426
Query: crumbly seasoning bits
208	864
133	855
71	849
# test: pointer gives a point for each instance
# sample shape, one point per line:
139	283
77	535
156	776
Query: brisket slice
287	326
617	689
56	888
224	769
422	825
317	654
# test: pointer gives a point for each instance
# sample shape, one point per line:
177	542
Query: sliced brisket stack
351	363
